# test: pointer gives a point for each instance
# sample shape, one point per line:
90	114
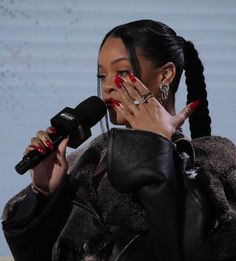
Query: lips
111	102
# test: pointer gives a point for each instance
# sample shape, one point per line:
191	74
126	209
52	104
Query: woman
140	193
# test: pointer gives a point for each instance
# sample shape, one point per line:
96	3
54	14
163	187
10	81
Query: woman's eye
101	77
123	73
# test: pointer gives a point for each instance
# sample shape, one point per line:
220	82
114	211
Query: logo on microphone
67	116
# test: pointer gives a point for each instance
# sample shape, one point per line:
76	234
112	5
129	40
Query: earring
164	93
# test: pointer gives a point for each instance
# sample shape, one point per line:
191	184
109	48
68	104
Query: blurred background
48	56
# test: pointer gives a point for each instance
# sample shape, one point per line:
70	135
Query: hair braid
199	121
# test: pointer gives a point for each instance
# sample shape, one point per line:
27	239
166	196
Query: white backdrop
48	52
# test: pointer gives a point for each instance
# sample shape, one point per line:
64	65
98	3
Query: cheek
156	92
153	87
101	92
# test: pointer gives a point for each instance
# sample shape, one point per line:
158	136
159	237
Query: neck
170	105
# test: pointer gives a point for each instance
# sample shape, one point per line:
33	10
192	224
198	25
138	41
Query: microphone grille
92	110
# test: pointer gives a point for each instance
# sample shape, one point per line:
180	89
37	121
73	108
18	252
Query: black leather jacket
70	225
179	216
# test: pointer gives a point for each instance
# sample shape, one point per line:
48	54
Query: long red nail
193	105
132	78
52	130
41	149
49	145
116	103
118	81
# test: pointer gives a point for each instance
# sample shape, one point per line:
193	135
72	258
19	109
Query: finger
62	146
131	89
36	144
186	112
44	137
181	117
35	141
125	97
30	148
51	130
143	91
130	98
194	105
139	86
129	116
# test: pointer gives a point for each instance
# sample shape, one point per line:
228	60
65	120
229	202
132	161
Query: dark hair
160	44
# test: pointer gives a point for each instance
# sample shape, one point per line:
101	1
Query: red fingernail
49	145
116	103
41	149
52	130
118	81
194	105
132	78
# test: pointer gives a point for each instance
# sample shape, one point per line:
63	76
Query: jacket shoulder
216	152
97	145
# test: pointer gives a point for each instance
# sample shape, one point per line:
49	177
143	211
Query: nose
108	85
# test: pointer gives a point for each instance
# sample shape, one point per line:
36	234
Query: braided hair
196	89
160	44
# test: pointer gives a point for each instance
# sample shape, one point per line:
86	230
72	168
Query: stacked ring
144	98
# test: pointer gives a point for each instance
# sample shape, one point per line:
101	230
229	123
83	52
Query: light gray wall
48	52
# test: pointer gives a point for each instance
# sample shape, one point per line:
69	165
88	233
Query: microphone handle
34	157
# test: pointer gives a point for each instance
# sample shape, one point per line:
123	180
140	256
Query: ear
167	73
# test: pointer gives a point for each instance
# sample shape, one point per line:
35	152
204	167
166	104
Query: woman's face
113	59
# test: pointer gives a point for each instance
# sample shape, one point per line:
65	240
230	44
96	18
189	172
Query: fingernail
41	149
194	105
118	81
32	147
132	78
116	103
49	145
52	130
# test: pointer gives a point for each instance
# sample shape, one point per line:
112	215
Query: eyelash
122	73
100	76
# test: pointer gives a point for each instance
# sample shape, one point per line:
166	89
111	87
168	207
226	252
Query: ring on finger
144	98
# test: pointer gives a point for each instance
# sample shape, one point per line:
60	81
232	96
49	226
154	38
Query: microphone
73	122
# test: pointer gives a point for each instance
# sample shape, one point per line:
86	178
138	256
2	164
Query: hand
149	115
49	173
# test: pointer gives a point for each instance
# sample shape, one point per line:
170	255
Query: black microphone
73	122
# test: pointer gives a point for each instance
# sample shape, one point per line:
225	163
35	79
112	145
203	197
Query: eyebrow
117	60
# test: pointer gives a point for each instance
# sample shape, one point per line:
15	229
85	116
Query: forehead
112	48
114	51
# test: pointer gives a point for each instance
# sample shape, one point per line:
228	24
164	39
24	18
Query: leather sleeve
32	228
143	162
33	224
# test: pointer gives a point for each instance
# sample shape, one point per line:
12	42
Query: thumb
62	146
186	112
